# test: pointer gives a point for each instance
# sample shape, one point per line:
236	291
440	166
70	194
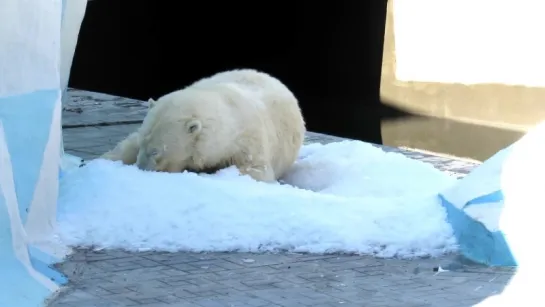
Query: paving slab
117	278
156	279
83	108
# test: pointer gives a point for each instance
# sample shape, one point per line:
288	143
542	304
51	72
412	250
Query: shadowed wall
328	53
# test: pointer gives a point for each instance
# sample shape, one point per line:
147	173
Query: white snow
348	197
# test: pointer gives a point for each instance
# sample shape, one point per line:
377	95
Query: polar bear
125	151
241	117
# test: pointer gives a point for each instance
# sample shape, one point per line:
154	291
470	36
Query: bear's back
261	106
269	107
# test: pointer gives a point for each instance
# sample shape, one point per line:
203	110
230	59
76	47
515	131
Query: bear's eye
153	153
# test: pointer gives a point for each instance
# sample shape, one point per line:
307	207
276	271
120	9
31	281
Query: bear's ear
193	126
151	103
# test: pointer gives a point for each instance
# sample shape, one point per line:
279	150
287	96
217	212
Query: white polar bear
241	117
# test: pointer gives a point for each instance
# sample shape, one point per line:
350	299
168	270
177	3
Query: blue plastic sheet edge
476	242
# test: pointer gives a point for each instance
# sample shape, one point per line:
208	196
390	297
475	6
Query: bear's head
173	136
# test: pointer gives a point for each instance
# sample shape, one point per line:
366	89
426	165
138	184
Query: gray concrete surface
117	278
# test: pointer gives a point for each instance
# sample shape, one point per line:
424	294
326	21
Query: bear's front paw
259	173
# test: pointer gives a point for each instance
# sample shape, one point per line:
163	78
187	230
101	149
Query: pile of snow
347	197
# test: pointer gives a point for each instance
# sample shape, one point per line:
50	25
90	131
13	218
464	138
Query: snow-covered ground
342	197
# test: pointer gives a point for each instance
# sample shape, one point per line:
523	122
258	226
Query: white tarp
35	61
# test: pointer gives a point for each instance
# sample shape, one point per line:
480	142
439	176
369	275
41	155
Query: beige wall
474	119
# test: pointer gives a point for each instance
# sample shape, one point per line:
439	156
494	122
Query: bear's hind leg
125	151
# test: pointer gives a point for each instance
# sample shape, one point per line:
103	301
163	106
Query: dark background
328	53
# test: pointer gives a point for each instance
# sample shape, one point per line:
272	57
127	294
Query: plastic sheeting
495	211
37	43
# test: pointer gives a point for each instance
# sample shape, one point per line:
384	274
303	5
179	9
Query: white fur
125	151
240	117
